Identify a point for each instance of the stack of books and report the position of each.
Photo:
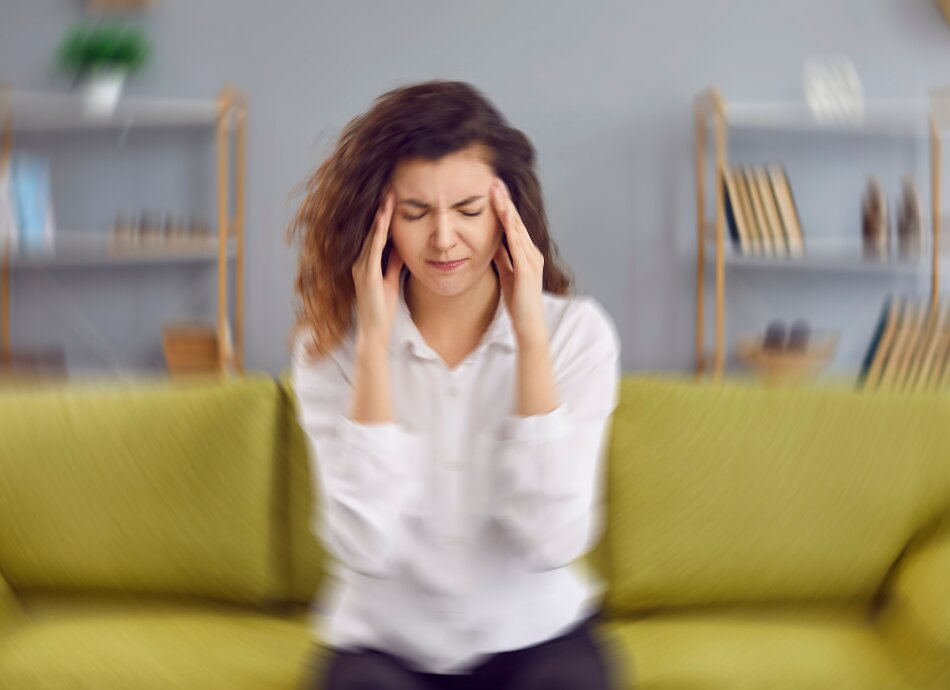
(761, 212)
(910, 348)
(26, 209)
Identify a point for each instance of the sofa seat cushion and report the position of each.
(764, 647)
(111, 643)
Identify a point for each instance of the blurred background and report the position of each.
(606, 91)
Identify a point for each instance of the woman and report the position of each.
(456, 399)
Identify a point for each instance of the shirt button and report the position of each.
(453, 390)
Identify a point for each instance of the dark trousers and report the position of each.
(572, 661)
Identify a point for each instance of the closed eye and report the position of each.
(470, 214)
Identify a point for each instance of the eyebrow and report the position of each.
(423, 205)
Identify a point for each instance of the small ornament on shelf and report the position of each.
(122, 233)
(150, 230)
(200, 230)
(909, 226)
(833, 90)
(874, 221)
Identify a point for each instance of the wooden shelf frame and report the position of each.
(227, 114)
(711, 114)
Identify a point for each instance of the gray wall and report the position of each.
(604, 90)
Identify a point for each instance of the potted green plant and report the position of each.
(101, 57)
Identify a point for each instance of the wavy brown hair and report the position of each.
(422, 121)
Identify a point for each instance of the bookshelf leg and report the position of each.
(224, 114)
(6, 350)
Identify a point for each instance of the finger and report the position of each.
(383, 219)
(517, 232)
(394, 267)
(519, 227)
(503, 211)
(367, 247)
(375, 239)
(510, 223)
(502, 259)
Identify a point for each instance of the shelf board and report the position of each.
(39, 111)
(79, 250)
(893, 118)
(832, 257)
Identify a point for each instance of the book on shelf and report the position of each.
(760, 211)
(8, 223)
(908, 328)
(917, 346)
(788, 211)
(910, 348)
(33, 207)
(881, 342)
(763, 239)
(925, 367)
(735, 215)
(770, 208)
(742, 189)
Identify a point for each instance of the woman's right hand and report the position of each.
(376, 294)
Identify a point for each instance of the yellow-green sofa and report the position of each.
(156, 535)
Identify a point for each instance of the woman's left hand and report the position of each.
(521, 283)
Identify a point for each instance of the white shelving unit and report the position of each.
(899, 118)
(828, 254)
(38, 112)
(94, 251)
(907, 118)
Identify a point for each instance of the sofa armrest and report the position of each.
(916, 618)
(9, 605)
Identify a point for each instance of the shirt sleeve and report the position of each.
(548, 468)
(364, 473)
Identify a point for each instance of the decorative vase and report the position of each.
(874, 221)
(101, 89)
(909, 226)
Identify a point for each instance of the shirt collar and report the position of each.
(405, 334)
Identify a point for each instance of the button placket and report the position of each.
(454, 380)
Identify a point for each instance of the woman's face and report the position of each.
(444, 225)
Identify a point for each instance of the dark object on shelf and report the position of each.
(31, 365)
(775, 336)
(799, 335)
(909, 226)
(874, 221)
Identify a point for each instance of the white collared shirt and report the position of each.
(453, 528)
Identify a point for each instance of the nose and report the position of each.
(443, 234)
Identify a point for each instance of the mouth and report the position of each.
(446, 265)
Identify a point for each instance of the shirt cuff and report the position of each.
(533, 428)
(380, 454)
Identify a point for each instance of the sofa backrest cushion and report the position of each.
(161, 487)
(739, 492)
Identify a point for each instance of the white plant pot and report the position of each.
(101, 90)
